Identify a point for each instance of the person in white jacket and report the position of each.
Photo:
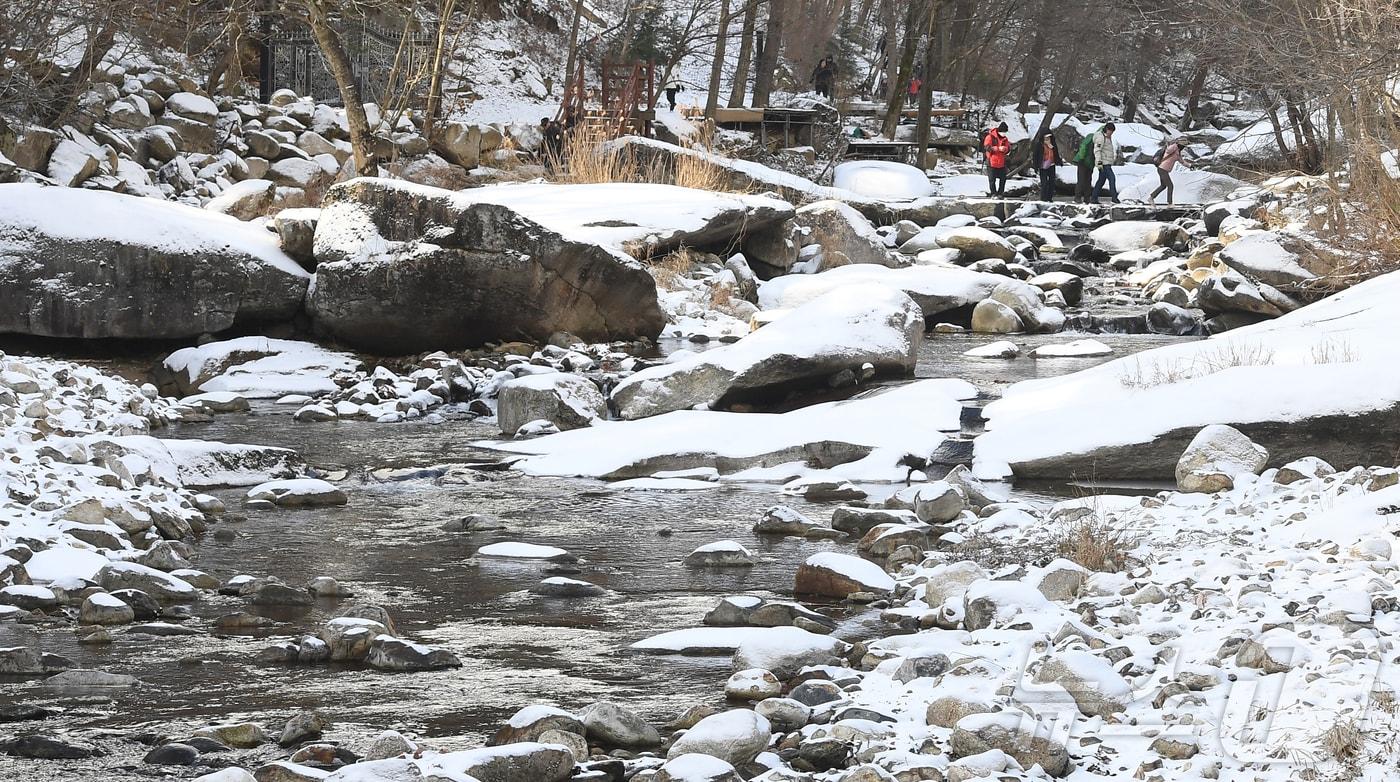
(1105, 155)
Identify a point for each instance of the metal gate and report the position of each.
(382, 59)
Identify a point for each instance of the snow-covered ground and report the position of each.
(1335, 357)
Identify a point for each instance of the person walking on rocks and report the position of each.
(824, 76)
(997, 147)
(1045, 155)
(1084, 165)
(1105, 155)
(1166, 160)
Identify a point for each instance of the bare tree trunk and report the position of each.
(1130, 102)
(895, 107)
(1278, 129)
(65, 97)
(1193, 96)
(772, 49)
(924, 130)
(717, 67)
(338, 61)
(573, 44)
(741, 69)
(1030, 83)
(228, 69)
(434, 107)
(1063, 84)
(891, 64)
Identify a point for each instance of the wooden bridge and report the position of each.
(624, 102)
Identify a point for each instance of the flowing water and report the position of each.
(387, 545)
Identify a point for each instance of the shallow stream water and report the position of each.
(388, 547)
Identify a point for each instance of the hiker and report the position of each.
(1105, 155)
(996, 146)
(824, 76)
(1084, 165)
(915, 84)
(553, 146)
(1166, 160)
(672, 87)
(1045, 155)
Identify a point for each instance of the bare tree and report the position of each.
(717, 65)
(739, 86)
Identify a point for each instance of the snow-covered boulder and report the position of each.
(531, 722)
(1269, 257)
(564, 399)
(882, 179)
(829, 574)
(1314, 382)
(245, 200)
(936, 289)
(622, 215)
(721, 553)
(519, 762)
(752, 684)
(1025, 301)
(993, 317)
(839, 228)
(1125, 235)
(1015, 733)
(298, 493)
(977, 243)
(487, 272)
(611, 725)
(1216, 456)
(786, 650)
(1232, 292)
(695, 767)
(839, 332)
(513, 550)
(1097, 689)
(90, 264)
(735, 736)
(255, 367)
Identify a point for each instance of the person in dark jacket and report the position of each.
(1045, 155)
(553, 149)
(824, 76)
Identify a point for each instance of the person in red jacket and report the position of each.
(997, 147)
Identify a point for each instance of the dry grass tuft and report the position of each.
(589, 158)
(1345, 741)
(1329, 351)
(1095, 545)
(670, 269)
(1226, 356)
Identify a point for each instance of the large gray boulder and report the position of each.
(522, 762)
(840, 331)
(89, 264)
(610, 725)
(1232, 292)
(403, 268)
(839, 228)
(1269, 257)
(1019, 735)
(566, 400)
(735, 736)
(1216, 456)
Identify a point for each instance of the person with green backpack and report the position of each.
(1084, 163)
